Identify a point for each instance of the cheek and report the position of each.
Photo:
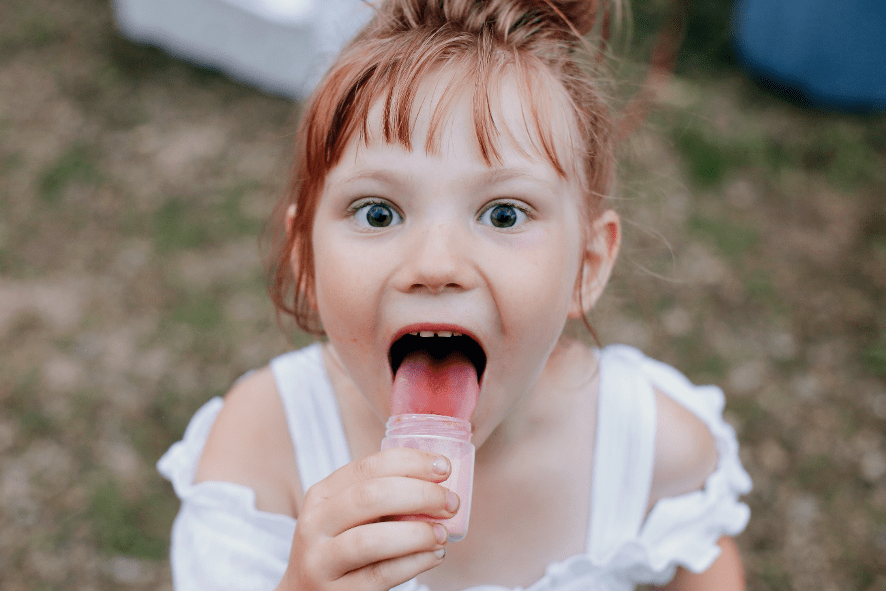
(548, 279)
(339, 285)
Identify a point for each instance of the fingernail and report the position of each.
(452, 501)
(441, 465)
(440, 532)
(440, 553)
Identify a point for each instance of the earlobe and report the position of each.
(598, 258)
(288, 220)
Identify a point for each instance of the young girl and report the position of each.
(449, 196)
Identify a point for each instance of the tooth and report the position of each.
(426, 333)
(445, 333)
(457, 334)
(415, 334)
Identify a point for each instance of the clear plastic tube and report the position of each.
(447, 436)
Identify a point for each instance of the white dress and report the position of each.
(280, 46)
(220, 541)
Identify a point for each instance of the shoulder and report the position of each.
(250, 426)
(685, 450)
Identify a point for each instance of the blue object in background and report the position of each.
(829, 53)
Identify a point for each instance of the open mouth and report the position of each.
(439, 345)
(436, 372)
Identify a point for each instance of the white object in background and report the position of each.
(281, 46)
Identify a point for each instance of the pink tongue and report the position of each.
(424, 385)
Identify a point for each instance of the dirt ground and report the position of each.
(132, 190)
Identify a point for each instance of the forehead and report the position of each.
(522, 111)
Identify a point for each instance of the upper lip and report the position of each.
(433, 327)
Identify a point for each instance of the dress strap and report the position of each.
(312, 414)
(624, 452)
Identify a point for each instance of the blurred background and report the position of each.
(133, 187)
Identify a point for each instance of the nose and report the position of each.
(436, 260)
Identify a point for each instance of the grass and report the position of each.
(124, 526)
(78, 164)
(34, 31)
(873, 357)
(816, 474)
(21, 402)
(732, 239)
(202, 221)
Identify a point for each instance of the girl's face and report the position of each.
(407, 240)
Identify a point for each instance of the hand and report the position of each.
(345, 539)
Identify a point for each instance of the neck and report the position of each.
(565, 388)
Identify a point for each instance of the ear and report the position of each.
(598, 257)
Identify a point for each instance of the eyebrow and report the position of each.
(489, 177)
(384, 176)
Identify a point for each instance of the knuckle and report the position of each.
(305, 525)
(367, 467)
(363, 542)
(379, 574)
(313, 496)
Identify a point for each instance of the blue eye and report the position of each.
(376, 214)
(503, 215)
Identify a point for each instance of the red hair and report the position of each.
(406, 42)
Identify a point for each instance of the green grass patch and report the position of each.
(31, 32)
(200, 311)
(771, 574)
(136, 61)
(873, 357)
(127, 526)
(8, 261)
(730, 238)
(713, 367)
(39, 31)
(760, 286)
(709, 158)
(701, 364)
(821, 475)
(21, 404)
(10, 161)
(179, 225)
(183, 223)
(231, 213)
(79, 163)
(705, 160)
(167, 416)
(838, 148)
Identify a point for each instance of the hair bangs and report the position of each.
(451, 66)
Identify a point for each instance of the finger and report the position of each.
(412, 463)
(389, 573)
(371, 500)
(378, 542)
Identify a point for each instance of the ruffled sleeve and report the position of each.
(220, 541)
(684, 530)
